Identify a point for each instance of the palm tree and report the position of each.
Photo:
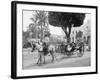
(32, 30)
(39, 19)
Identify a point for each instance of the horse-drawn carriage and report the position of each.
(67, 49)
(73, 48)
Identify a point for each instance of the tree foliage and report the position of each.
(40, 19)
(25, 37)
(79, 34)
(66, 20)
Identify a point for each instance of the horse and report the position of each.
(43, 50)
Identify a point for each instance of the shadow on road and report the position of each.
(35, 65)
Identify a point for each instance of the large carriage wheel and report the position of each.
(81, 52)
(68, 54)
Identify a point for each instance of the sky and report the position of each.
(53, 30)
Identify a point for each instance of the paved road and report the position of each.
(29, 61)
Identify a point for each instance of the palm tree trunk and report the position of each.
(41, 33)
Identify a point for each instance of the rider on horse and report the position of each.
(45, 44)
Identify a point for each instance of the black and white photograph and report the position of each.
(54, 39)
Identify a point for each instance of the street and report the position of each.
(29, 61)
